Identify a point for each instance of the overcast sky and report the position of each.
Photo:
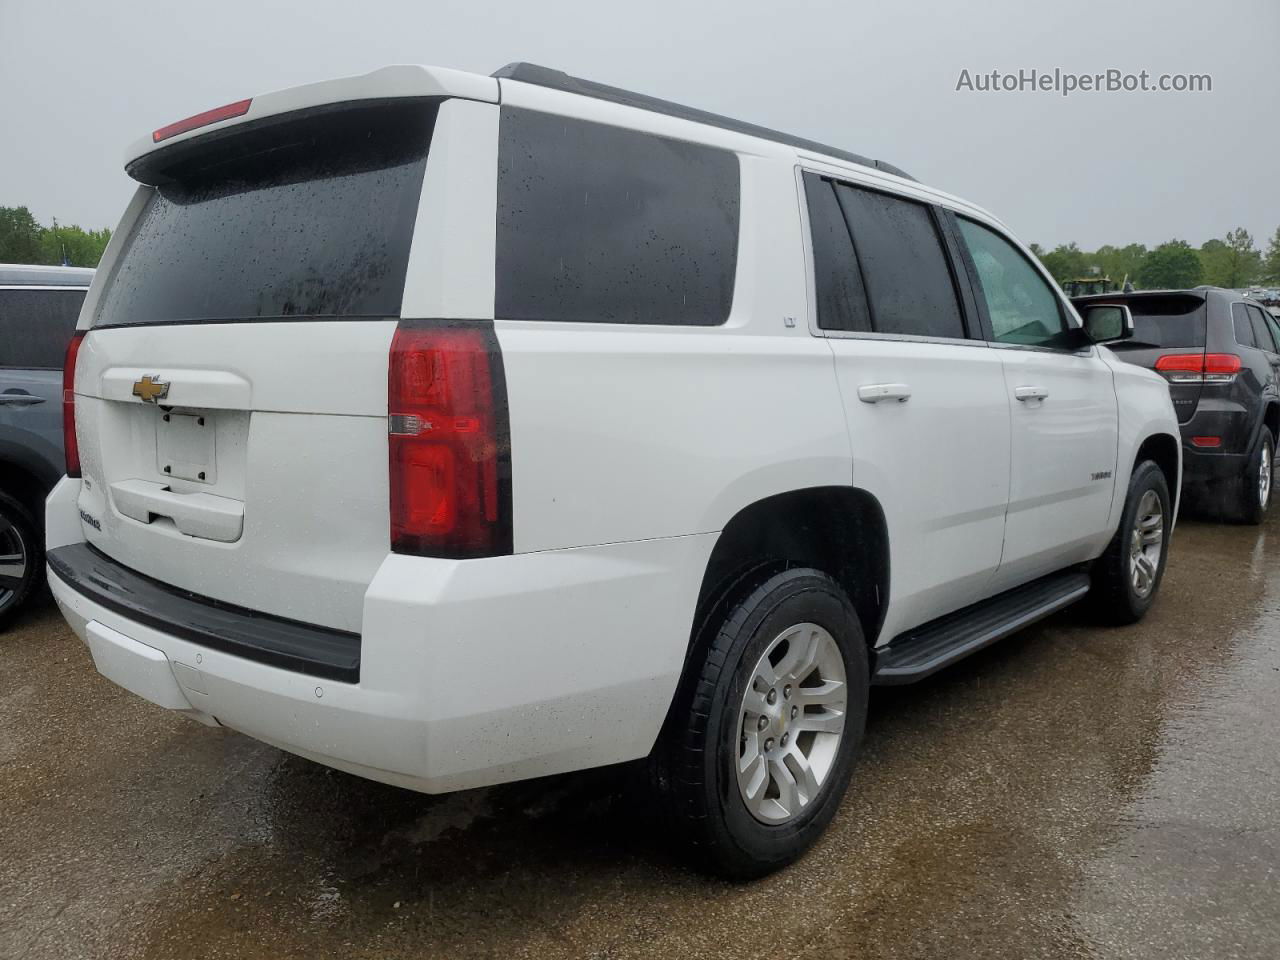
(80, 81)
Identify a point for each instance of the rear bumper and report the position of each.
(471, 672)
(1201, 467)
(1233, 424)
(302, 648)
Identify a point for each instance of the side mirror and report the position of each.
(1107, 322)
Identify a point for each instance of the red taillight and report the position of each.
(69, 443)
(1206, 441)
(1221, 363)
(448, 441)
(226, 112)
(1199, 367)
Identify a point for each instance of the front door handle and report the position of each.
(876, 392)
(19, 398)
(1030, 393)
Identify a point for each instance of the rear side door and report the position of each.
(924, 401)
(1262, 334)
(1247, 390)
(36, 323)
(1274, 327)
(1064, 416)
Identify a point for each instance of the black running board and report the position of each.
(925, 649)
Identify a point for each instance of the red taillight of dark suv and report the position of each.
(69, 444)
(449, 441)
(1199, 367)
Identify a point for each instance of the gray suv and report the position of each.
(38, 311)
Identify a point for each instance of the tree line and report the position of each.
(24, 240)
(1233, 262)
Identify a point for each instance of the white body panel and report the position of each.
(632, 448)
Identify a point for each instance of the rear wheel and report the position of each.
(21, 556)
(1127, 576)
(1254, 485)
(759, 749)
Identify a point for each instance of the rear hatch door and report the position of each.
(232, 388)
(1164, 323)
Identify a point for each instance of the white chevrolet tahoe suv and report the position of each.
(451, 430)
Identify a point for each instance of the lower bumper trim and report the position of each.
(303, 648)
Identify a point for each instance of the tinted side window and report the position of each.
(904, 267)
(36, 325)
(605, 224)
(842, 303)
(1261, 333)
(1243, 327)
(1022, 306)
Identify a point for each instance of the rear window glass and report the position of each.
(904, 267)
(306, 216)
(1166, 321)
(36, 325)
(606, 224)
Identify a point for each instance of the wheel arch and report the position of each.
(1165, 451)
(26, 485)
(1271, 418)
(812, 527)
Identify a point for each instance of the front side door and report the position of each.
(1063, 430)
(924, 401)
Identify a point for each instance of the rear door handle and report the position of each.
(19, 399)
(1030, 393)
(876, 392)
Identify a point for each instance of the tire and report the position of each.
(1253, 487)
(1119, 595)
(19, 538)
(793, 616)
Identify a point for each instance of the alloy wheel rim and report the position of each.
(1264, 476)
(1146, 541)
(13, 561)
(790, 723)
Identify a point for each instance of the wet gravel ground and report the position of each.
(1071, 792)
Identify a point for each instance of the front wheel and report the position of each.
(759, 748)
(1127, 576)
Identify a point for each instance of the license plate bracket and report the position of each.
(185, 447)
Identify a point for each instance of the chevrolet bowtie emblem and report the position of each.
(150, 390)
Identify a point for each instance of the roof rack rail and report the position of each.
(559, 80)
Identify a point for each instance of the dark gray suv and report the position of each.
(1220, 352)
(38, 311)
